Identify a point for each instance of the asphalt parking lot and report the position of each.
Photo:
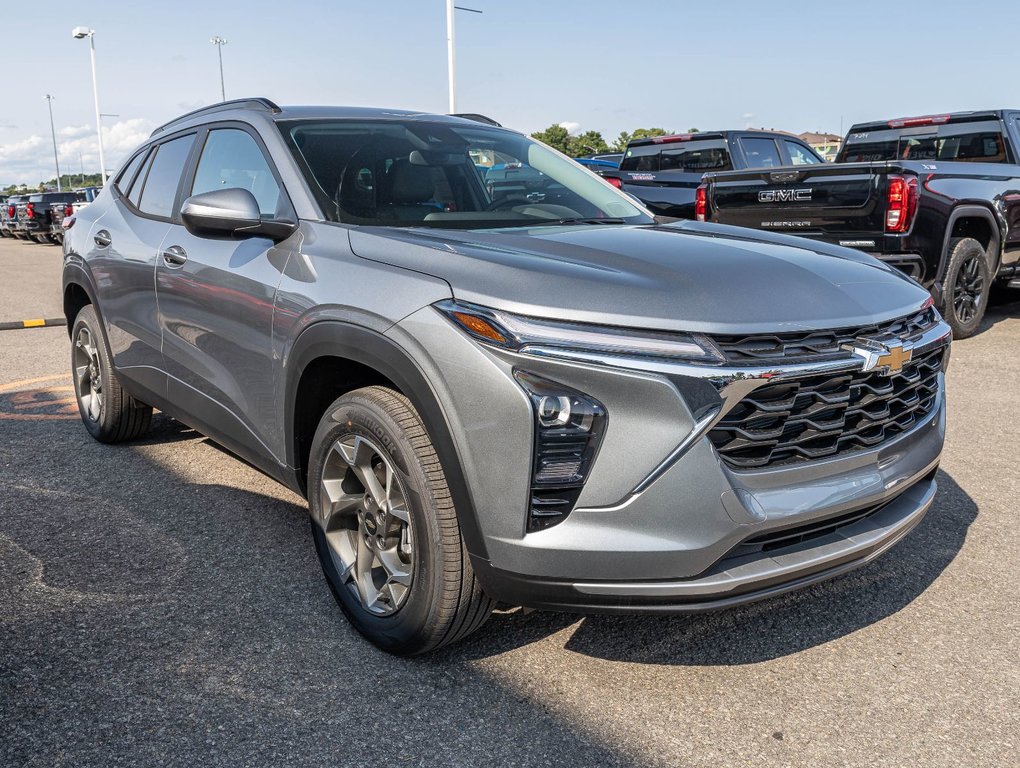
(161, 604)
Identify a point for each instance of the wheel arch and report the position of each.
(368, 357)
(974, 221)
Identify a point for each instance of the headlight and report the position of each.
(569, 426)
(529, 334)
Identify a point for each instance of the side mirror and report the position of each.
(233, 212)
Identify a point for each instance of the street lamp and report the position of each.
(219, 42)
(451, 64)
(78, 33)
(53, 131)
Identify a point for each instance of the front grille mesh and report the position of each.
(799, 346)
(824, 415)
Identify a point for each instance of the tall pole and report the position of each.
(450, 60)
(53, 132)
(95, 94)
(219, 42)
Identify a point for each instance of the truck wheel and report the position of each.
(109, 413)
(966, 288)
(385, 528)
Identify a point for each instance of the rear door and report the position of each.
(123, 246)
(216, 299)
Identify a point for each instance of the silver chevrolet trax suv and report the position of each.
(496, 378)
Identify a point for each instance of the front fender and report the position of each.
(370, 348)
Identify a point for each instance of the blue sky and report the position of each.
(602, 65)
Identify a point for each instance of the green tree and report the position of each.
(637, 133)
(587, 143)
(555, 136)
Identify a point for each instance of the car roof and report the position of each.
(238, 108)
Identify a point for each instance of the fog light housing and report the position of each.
(569, 426)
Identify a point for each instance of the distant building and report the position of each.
(825, 144)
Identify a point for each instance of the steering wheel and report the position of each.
(507, 202)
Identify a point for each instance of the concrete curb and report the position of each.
(12, 325)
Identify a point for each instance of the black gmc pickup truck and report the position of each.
(937, 196)
(663, 172)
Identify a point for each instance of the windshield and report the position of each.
(413, 174)
(959, 142)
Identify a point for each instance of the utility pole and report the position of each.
(219, 42)
(451, 62)
(53, 132)
(79, 33)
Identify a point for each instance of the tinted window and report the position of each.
(126, 176)
(232, 160)
(980, 142)
(641, 158)
(695, 157)
(165, 176)
(760, 153)
(800, 155)
(139, 182)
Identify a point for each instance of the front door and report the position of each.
(216, 299)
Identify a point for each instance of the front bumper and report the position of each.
(663, 522)
(732, 581)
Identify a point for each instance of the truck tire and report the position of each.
(385, 528)
(966, 287)
(109, 413)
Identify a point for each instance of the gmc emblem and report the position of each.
(784, 195)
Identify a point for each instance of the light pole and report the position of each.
(219, 42)
(450, 54)
(53, 132)
(78, 33)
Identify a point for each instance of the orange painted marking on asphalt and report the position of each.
(26, 400)
(14, 386)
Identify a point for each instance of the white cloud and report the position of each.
(572, 128)
(30, 160)
(74, 131)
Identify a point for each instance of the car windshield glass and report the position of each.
(691, 156)
(442, 174)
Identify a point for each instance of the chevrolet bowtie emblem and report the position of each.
(884, 356)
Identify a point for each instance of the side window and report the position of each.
(165, 176)
(760, 153)
(128, 174)
(135, 193)
(799, 155)
(232, 160)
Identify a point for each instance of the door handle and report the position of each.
(102, 239)
(175, 256)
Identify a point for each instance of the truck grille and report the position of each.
(825, 415)
(782, 348)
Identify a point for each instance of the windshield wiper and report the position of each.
(585, 221)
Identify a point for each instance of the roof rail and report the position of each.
(254, 103)
(476, 117)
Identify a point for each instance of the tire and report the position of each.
(115, 416)
(360, 433)
(967, 286)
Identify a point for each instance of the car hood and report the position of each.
(684, 276)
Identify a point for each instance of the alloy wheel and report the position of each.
(367, 523)
(968, 289)
(89, 374)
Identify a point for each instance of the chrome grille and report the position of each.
(780, 348)
(820, 416)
